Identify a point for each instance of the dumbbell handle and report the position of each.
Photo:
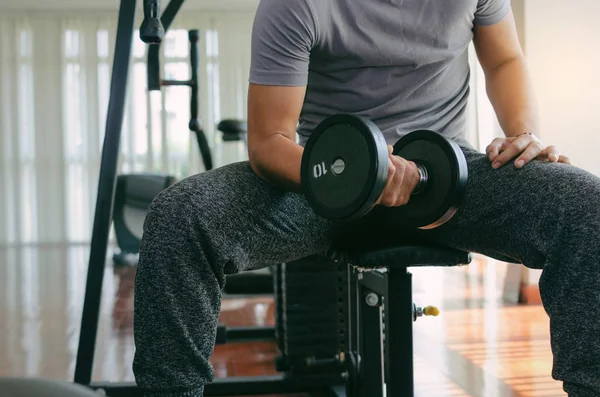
(338, 167)
(423, 178)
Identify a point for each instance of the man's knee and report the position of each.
(173, 209)
(203, 199)
(575, 194)
(178, 240)
(172, 232)
(569, 214)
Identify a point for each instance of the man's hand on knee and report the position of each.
(524, 148)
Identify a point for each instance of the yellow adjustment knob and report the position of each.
(431, 311)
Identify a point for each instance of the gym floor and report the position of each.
(479, 346)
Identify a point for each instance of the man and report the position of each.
(403, 64)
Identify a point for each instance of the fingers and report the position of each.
(390, 177)
(550, 154)
(513, 148)
(399, 185)
(494, 148)
(407, 183)
(564, 159)
(506, 143)
(525, 148)
(532, 151)
(390, 193)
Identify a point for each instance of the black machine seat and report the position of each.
(133, 195)
(393, 253)
(233, 129)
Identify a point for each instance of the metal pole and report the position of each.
(195, 125)
(399, 367)
(105, 195)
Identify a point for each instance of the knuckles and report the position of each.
(403, 177)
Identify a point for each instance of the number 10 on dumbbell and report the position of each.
(345, 166)
(337, 167)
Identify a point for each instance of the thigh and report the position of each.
(243, 222)
(515, 214)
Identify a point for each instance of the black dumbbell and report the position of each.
(345, 164)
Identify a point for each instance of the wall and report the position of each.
(563, 52)
(518, 7)
(563, 49)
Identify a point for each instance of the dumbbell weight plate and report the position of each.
(344, 167)
(447, 180)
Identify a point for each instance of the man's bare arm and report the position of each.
(511, 93)
(507, 79)
(273, 113)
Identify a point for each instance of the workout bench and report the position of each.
(378, 281)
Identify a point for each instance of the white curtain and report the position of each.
(55, 73)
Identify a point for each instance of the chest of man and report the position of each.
(397, 33)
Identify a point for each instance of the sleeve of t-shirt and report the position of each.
(283, 34)
(490, 12)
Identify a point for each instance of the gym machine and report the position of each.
(152, 31)
(155, 83)
(135, 192)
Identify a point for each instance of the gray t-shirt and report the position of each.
(401, 63)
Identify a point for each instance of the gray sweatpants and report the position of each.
(227, 220)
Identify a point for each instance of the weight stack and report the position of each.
(312, 313)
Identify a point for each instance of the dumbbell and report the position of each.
(345, 165)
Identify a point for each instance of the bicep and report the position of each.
(497, 44)
(273, 110)
(283, 35)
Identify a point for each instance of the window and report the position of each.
(155, 135)
(78, 203)
(103, 51)
(134, 136)
(212, 66)
(26, 139)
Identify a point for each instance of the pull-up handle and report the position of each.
(152, 30)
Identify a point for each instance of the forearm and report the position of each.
(277, 161)
(511, 94)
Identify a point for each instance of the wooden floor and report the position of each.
(477, 347)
